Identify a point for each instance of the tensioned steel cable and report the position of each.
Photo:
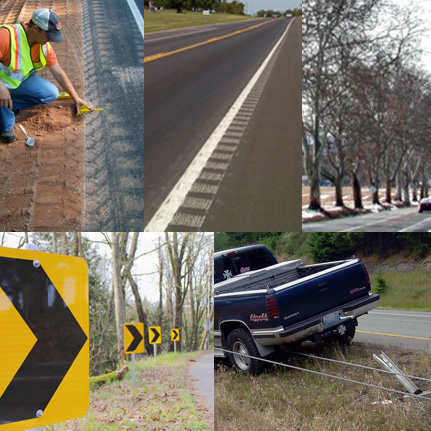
(360, 366)
(326, 375)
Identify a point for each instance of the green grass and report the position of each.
(291, 400)
(160, 400)
(170, 20)
(405, 291)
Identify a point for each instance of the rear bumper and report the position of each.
(314, 325)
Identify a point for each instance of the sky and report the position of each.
(426, 40)
(423, 10)
(253, 6)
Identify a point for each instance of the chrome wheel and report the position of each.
(242, 361)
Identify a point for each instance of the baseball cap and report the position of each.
(49, 21)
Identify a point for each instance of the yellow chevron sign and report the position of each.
(44, 329)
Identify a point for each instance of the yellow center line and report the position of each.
(206, 42)
(393, 335)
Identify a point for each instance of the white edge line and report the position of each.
(389, 313)
(175, 199)
(413, 226)
(137, 15)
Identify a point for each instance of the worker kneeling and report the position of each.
(24, 50)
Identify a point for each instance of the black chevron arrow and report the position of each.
(59, 339)
(156, 335)
(176, 334)
(136, 340)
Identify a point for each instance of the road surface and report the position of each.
(202, 173)
(408, 330)
(397, 220)
(202, 372)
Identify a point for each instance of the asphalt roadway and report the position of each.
(408, 330)
(397, 220)
(202, 372)
(253, 182)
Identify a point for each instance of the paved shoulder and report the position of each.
(202, 373)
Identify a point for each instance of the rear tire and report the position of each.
(342, 339)
(241, 343)
(346, 338)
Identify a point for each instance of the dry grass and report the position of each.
(293, 400)
(170, 20)
(160, 400)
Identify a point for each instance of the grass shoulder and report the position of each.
(408, 291)
(290, 399)
(171, 20)
(160, 400)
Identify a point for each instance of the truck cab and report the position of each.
(229, 263)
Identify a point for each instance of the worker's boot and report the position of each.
(8, 137)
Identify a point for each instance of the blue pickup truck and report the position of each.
(285, 303)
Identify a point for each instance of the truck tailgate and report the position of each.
(324, 291)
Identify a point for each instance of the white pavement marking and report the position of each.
(384, 218)
(407, 229)
(165, 214)
(137, 15)
(403, 315)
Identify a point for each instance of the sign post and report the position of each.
(133, 369)
(44, 336)
(155, 338)
(133, 342)
(175, 336)
(208, 325)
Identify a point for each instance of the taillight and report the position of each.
(367, 276)
(272, 307)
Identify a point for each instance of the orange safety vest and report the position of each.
(21, 64)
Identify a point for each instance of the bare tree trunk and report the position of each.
(160, 312)
(142, 315)
(338, 194)
(64, 245)
(406, 186)
(357, 194)
(77, 244)
(120, 307)
(388, 191)
(54, 242)
(177, 254)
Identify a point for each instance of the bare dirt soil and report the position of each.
(42, 187)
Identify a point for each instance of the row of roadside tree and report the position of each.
(366, 98)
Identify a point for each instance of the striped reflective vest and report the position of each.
(21, 64)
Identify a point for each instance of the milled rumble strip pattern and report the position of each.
(188, 203)
(191, 215)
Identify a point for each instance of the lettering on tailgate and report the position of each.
(259, 317)
(358, 289)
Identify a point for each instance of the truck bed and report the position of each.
(271, 277)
